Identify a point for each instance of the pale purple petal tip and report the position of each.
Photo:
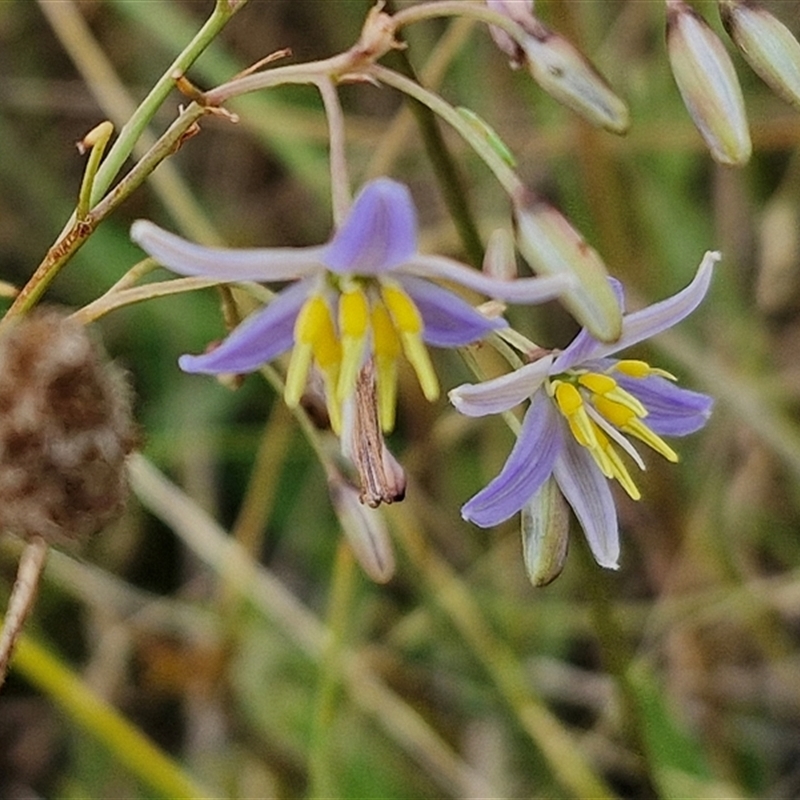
(528, 466)
(260, 264)
(379, 233)
(503, 393)
(672, 411)
(587, 491)
(449, 321)
(260, 338)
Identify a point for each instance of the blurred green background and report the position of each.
(678, 676)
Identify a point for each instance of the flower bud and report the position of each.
(500, 258)
(571, 79)
(65, 429)
(545, 534)
(365, 530)
(553, 247)
(767, 44)
(708, 85)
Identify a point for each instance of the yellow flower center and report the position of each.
(334, 329)
(594, 406)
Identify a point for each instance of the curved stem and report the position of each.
(504, 174)
(340, 182)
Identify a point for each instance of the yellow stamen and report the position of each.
(588, 434)
(616, 413)
(315, 339)
(388, 349)
(635, 427)
(640, 369)
(408, 324)
(604, 386)
(354, 319)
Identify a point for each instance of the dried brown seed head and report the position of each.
(65, 429)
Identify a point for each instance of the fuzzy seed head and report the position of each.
(65, 429)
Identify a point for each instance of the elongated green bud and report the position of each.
(552, 246)
(545, 534)
(571, 79)
(767, 44)
(708, 84)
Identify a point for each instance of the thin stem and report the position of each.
(504, 174)
(340, 181)
(458, 8)
(80, 230)
(132, 130)
(23, 595)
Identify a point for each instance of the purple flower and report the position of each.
(366, 293)
(584, 406)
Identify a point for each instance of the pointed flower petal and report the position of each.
(448, 320)
(503, 393)
(522, 290)
(380, 231)
(671, 410)
(527, 468)
(264, 264)
(260, 338)
(587, 491)
(659, 317)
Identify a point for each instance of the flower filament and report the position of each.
(343, 323)
(598, 410)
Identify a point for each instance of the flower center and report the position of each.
(343, 323)
(598, 411)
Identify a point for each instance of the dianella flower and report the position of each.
(585, 408)
(366, 294)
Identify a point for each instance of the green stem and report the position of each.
(80, 230)
(504, 174)
(132, 130)
(128, 744)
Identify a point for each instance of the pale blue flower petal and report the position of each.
(380, 231)
(449, 320)
(263, 264)
(587, 491)
(500, 394)
(520, 291)
(528, 466)
(654, 319)
(260, 338)
(672, 411)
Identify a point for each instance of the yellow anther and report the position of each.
(388, 349)
(641, 369)
(384, 336)
(315, 339)
(353, 312)
(597, 383)
(408, 324)
(568, 398)
(616, 413)
(354, 320)
(405, 315)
